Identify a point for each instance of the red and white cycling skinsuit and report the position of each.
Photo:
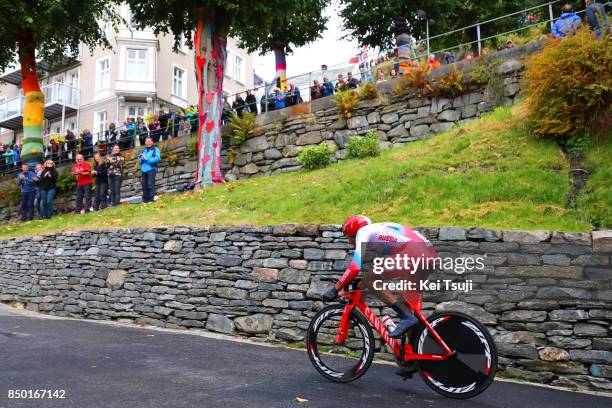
(397, 238)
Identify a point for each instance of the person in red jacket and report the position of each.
(82, 171)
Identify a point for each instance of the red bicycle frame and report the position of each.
(355, 301)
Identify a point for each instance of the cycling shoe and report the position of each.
(330, 294)
(403, 326)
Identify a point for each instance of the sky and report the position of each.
(329, 49)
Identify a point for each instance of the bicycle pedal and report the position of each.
(405, 372)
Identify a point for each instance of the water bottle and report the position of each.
(388, 322)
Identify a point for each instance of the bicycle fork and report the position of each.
(344, 327)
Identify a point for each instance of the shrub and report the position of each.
(419, 82)
(368, 90)
(452, 84)
(364, 146)
(242, 126)
(315, 157)
(66, 183)
(569, 87)
(346, 102)
(192, 147)
(10, 194)
(172, 159)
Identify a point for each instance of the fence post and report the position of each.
(427, 30)
(551, 15)
(478, 36)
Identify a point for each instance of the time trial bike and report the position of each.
(454, 354)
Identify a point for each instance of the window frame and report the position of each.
(100, 71)
(183, 82)
(136, 60)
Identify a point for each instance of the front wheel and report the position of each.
(473, 366)
(343, 362)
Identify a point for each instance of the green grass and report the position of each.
(596, 198)
(489, 173)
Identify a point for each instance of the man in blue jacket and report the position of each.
(27, 181)
(567, 24)
(148, 159)
(597, 18)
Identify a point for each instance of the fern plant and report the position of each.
(242, 127)
(368, 90)
(346, 102)
(452, 84)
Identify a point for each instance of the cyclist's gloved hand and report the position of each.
(330, 294)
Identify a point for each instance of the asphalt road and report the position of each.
(102, 365)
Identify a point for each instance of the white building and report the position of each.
(141, 74)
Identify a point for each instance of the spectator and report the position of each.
(596, 16)
(193, 119)
(251, 102)
(176, 119)
(226, 111)
(9, 158)
(71, 143)
(468, 56)
(341, 85)
(567, 24)
(86, 144)
(380, 76)
(279, 99)
(132, 129)
(148, 159)
(293, 96)
(393, 73)
(115, 174)
(238, 105)
(432, 62)
(27, 181)
(47, 184)
(17, 155)
(328, 87)
(448, 58)
(509, 44)
(100, 170)
(352, 82)
(155, 132)
(37, 202)
(82, 171)
(316, 90)
(163, 120)
(111, 134)
(143, 131)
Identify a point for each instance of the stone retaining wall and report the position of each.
(545, 297)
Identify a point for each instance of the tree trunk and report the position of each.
(210, 46)
(281, 66)
(32, 150)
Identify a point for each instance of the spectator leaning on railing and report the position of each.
(597, 18)
(567, 24)
(148, 159)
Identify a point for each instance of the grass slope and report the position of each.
(488, 173)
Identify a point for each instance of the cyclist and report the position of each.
(395, 238)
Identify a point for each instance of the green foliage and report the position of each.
(364, 146)
(298, 23)
(346, 102)
(66, 183)
(56, 26)
(452, 84)
(569, 88)
(172, 159)
(371, 21)
(192, 147)
(595, 200)
(10, 194)
(242, 126)
(368, 90)
(418, 81)
(315, 157)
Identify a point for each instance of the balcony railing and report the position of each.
(57, 94)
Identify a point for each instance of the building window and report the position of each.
(136, 64)
(239, 69)
(100, 123)
(103, 74)
(136, 111)
(178, 82)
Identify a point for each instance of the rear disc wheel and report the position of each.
(473, 366)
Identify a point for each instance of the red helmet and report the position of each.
(354, 224)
